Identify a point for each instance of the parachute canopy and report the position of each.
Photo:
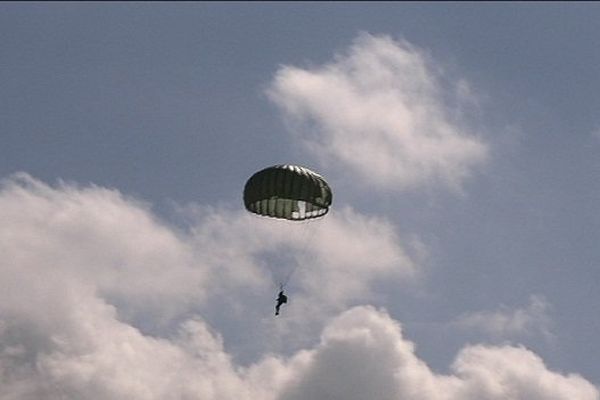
(288, 192)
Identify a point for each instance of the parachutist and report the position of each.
(281, 299)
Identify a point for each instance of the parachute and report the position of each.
(290, 193)
(287, 192)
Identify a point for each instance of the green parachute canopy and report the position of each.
(288, 192)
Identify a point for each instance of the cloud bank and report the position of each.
(82, 266)
(87, 273)
(363, 354)
(380, 111)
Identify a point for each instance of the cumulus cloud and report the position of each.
(505, 323)
(70, 255)
(99, 237)
(327, 264)
(380, 110)
(101, 299)
(363, 355)
(53, 239)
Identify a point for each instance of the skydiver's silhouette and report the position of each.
(281, 299)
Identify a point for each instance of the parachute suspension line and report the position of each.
(286, 280)
(291, 193)
(308, 233)
(305, 239)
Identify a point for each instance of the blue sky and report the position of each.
(461, 141)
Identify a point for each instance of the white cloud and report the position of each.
(333, 262)
(379, 110)
(505, 323)
(363, 355)
(56, 239)
(98, 237)
(83, 269)
(71, 254)
(334, 258)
